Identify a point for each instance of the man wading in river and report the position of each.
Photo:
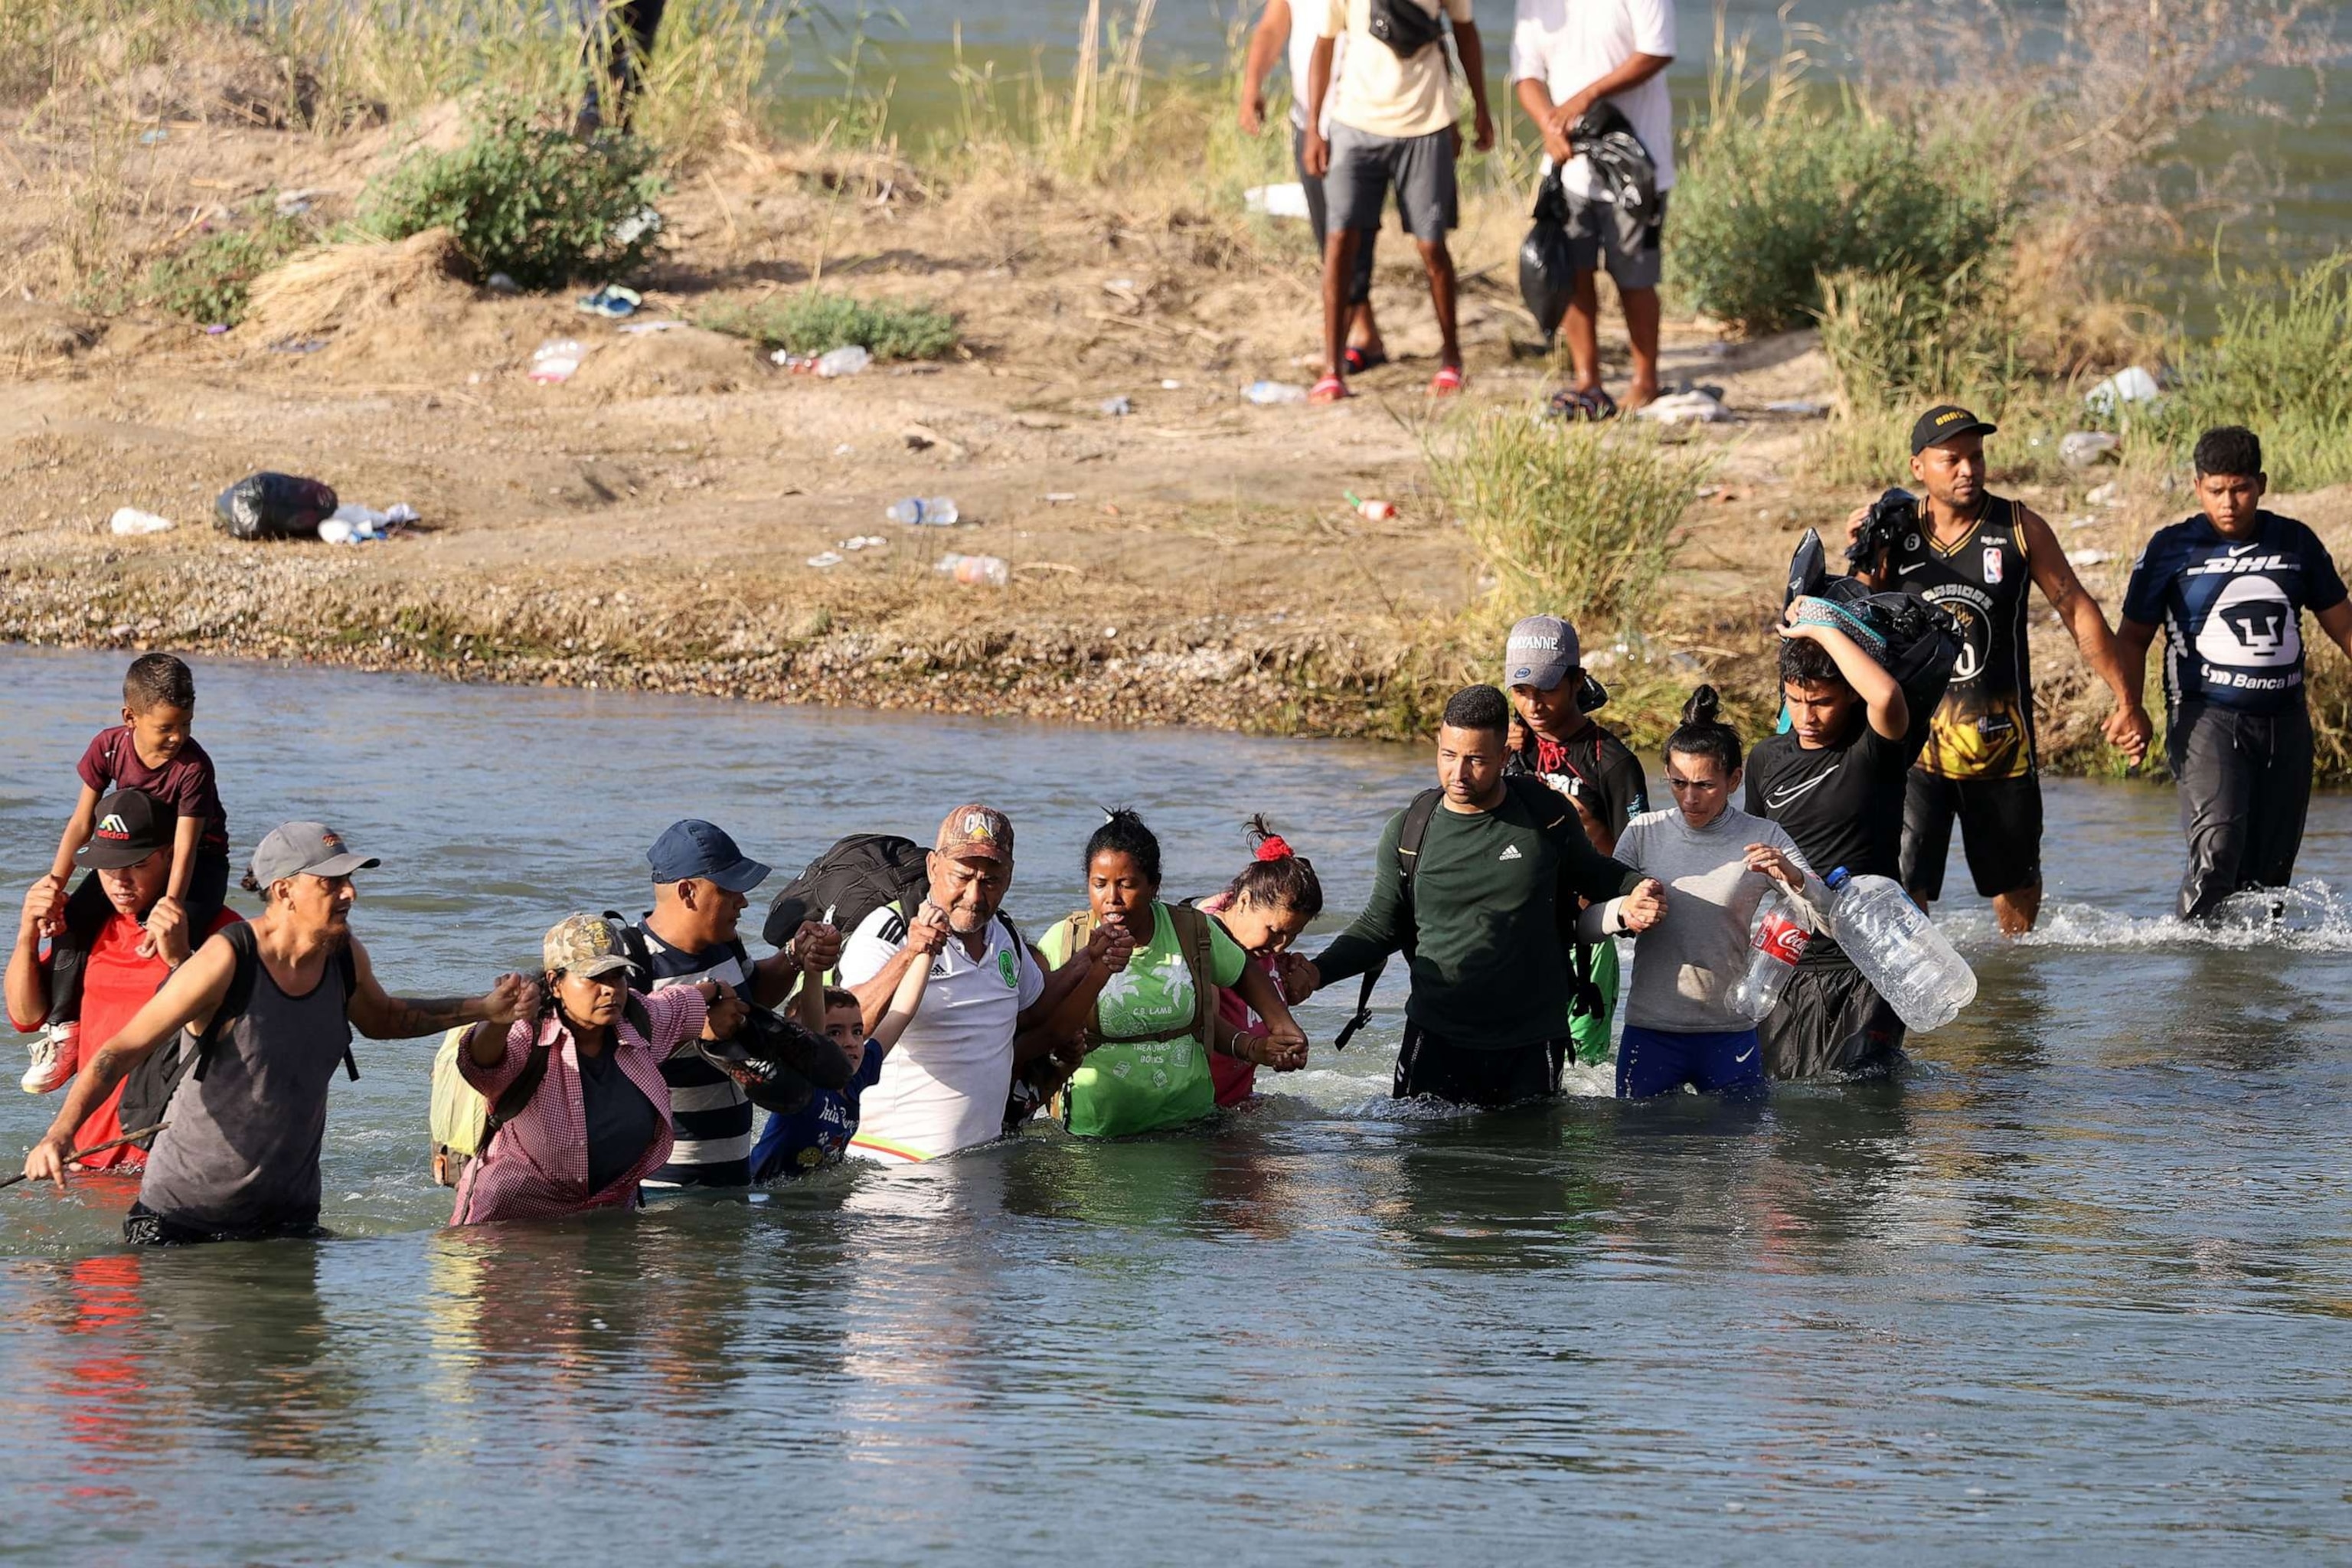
(240, 1158)
(1973, 553)
(1469, 885)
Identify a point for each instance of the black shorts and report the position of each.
(142, 1227)
(1429, 1065)
(2001, 827)
(1831, 1024)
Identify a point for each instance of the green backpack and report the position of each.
(1162, 1079)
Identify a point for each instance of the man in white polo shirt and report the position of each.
(1393, 127)
(1566, 56)
(944, 1086)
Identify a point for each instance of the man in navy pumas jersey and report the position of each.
(2229, 587)
(701, 883)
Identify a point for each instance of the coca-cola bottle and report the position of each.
(1779, 941)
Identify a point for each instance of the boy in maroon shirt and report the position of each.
(151, 750)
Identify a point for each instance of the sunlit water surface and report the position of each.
(2077, 1281)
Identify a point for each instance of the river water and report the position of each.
(2295, 208)
(2078, 1281)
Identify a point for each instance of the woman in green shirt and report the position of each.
(1149, 1021)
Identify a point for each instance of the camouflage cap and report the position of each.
(976, 833)
(586, 945)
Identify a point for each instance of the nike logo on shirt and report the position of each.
(2241, 549)
(1743, 1056)
(1777, 798)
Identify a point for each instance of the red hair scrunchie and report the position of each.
(1273, 848)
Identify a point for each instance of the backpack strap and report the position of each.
(1080, 924)
(349, 968)
(517, 1096)
(242, 946)
(1411, 830)
(1194, 932)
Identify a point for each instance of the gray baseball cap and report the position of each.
(1541, 652)
(305, 848)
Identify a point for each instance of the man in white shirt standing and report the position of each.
(1393, 126)
(1277, 32)
(1566, 56)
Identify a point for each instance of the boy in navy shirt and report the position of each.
(2230, 587)
(816, 1135)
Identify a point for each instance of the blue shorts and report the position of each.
(1655, 1061)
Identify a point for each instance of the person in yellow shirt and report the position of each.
(1393, 126)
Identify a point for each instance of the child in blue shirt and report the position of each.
(814, 1136)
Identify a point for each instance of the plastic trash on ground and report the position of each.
(1277, 201)
(2086, 556)
(130, 520)
(2108, 494)
(923, 511)
(848, 359)
(1802, 407)
(1268, 392)
(2132, 386)
(556, 361)
(1373, 510)
(975, 571)
(644, 221)
(1117, 407)
(275, 506)
(637, 329)
(2081, 449)
(501, 283)
(824, 561)
(355, 524)
(1694, 407)
(611, 302)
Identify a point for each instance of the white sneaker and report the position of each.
(57, 1057)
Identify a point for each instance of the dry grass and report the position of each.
(334, 287)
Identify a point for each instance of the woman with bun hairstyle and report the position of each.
(1265, 909)
(1717, 863)
(1150, 1019)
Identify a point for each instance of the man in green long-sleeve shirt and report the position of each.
(1487, 1023)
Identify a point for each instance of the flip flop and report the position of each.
(1594, 405)
(1330, 389)
(1359, 361)
(1446, 382)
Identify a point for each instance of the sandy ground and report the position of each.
(649, 523)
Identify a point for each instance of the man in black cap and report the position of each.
(130, 848)
(702, 882)
(1971, 552)
(273, 1005)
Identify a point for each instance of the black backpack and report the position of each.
(147, 1092)
(1404, 26)
(1584, 994)
(848, 882)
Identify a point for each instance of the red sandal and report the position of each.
(1330, 389)
(1446, 382)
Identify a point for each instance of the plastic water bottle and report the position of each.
(848, 360)
(1267, 391)
(1898, 950)
(1778, 942)
(975, 571)
(915, 511)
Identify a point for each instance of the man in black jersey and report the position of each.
(2228, 588)
(1835, 782)
(1556, 739)
(1972, 554)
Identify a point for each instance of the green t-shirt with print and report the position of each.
(1127, 1084)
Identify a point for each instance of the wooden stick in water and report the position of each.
(96, 1149)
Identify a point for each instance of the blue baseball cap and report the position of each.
(695, 849)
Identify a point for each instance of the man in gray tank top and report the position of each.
(239, 1157)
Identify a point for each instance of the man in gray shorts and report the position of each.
(1567, 57)
(1394, 128)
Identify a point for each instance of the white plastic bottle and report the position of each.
(1778, 942)
(1268, 392)
(1898, 950)
(919, 511)
(848, 360)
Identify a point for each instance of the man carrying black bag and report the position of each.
(1568, 59)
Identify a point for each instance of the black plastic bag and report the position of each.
(275, 506)
(1546, 271)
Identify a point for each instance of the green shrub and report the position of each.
(206, 280)
(2279, 362)
(526, 198)
(815, 319)
(1773, 200)
(1576, 520)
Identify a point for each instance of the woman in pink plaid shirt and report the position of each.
(598, 1118)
